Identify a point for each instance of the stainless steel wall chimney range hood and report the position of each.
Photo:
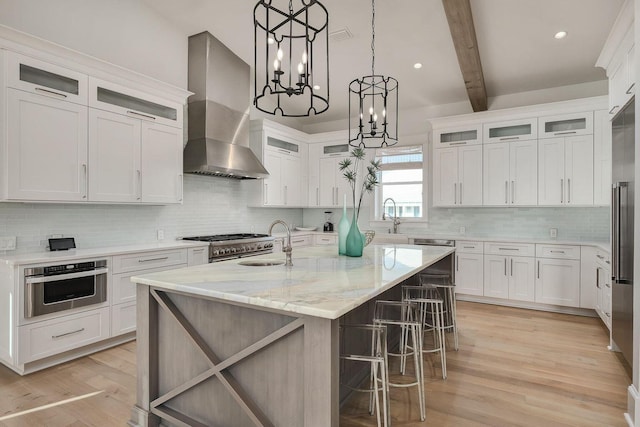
(218, 113)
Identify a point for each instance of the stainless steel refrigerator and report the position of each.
(622, 206)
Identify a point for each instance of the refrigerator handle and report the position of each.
(615, 232)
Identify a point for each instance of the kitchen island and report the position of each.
(235, 345)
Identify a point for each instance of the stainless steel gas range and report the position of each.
(230, 246)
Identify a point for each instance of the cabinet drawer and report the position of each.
(147, 260)
(299, 241)
(464, 135)
(469, 247)
(198, 256)
(130, 102)
(42, 78)
(603, 258)
(509, 249)
(43, 339)
(558, 251)
(512, 130)
(123, 318)
(124, 290)
(325, 240)
(566, 125)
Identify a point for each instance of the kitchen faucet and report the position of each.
(396, 221)
(286, 249)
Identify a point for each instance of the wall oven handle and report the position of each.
(59, 277)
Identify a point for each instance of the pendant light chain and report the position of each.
(373, 36)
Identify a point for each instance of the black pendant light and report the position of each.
(373, 104)
(291, 57)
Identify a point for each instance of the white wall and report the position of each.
(124, 32)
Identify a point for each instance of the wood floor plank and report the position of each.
(515, 367)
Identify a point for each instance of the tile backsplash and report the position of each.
(211, 206)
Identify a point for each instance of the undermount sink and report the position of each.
(261, 262)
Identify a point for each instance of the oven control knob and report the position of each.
(214, 252)
(243, 249)
(268, 245)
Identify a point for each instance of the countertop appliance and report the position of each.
(328, 225)
(230, 246)
(54, 288)
(622, 210)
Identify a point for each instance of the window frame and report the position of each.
(376, 211)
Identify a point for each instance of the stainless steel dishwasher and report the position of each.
(445, 268)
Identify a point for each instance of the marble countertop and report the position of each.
(76, 254)
(321, 283)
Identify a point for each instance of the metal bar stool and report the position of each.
(447, 291)
(432, 316)
(404, 314)
(378, 377)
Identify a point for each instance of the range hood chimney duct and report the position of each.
(218, 112)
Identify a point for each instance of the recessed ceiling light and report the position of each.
(417, 65)
(316, 87)
(560, 35)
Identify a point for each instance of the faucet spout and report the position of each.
(395, 219)
(286, 249)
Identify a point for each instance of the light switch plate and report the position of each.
(8, 243)
(553, 233)
(160, 234)
(463, 230)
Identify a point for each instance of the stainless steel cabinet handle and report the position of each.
(511, 138)
(511, 267)
(598, 277)
(139, 185)
(599, 256)
(297, 241)
(460, 193)
(180, 187)
(153, 259)
(144, 116)
(68, 333)
(86, 184)
(505, 266)
(198, 250)
(61, 277)
(50, 92)
(566, 133)
(506, 192)
(568, 190)
(455, 193)
(469, 247)
(561, 190)
(266, 194)
(613, 109)
(317, 196)
(538, 269)
(457, 263)
(557, 252)
(513, 192)
(630, 90)
(607, 284)
(285, 194)
(458, 143)
(508, 249)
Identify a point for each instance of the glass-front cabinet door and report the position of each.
(454, 136)
(566, 125)
(512, 130)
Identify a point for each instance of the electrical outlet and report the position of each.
(160, 234)
(463, 230)
(553, 233)
(8, 243)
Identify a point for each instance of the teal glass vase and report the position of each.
(343, 229)
(355, 242)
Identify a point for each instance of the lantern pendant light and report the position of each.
(291, 57)
(373, 104)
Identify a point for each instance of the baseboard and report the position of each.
(528, 305)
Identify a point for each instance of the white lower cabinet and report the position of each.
(469, 273)
(198, 256)
(123, 318)
(325, 239)
(43, 339)
(496, 278)
(509, 277)
(558, 282)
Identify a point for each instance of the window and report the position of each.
(401, 179)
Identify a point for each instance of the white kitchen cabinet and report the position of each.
(595, 291)
(457, 176)
(325, 239)
(161, 164)
(558, 282)
(621, 73)
(333, 185)
(601, 158)
(456, 136)
(115, 173)
(313, 167)
(510, 130)
(571, 124)
(509, 277)
(510, 173)
(469, 266)
(46, 148)
(565, 171)
(198, 256)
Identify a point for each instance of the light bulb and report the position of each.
(280, 54)
(370, 110)
(304, 57)
(300, 68)
(375, 117)
(276, 65)
(384, 112)
(270, 40)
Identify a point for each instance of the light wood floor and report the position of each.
(514, 368)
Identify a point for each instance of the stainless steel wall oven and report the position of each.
(54, 288)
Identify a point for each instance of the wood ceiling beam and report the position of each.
(463, 34)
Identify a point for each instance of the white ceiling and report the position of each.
(515, 37)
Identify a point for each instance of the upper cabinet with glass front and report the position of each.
(512, 130)
(566, 125)
(461, 135)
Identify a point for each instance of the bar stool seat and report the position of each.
(378, 380)
(404, 314)
(432, 317)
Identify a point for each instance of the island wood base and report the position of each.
(208, 362)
